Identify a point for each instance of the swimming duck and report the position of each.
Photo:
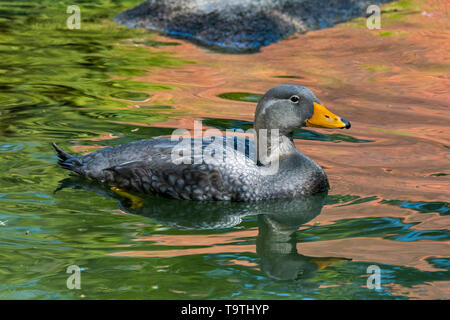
(268, 167)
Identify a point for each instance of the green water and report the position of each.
(68, 85)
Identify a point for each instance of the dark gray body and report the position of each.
(147, 166)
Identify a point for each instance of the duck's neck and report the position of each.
(273, 147)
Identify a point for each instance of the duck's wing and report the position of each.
(200, 182)
(194, 169)
(165, 150)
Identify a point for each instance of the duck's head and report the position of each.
(289, 107)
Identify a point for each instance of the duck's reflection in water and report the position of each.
(276, 243)
(278, 221)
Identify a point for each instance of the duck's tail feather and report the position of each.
(68, 161)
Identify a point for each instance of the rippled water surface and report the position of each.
(104, 85)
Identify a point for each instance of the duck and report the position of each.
(263, 164)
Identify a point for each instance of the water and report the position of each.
(104, 85)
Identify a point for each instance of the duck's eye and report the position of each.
(295, 99)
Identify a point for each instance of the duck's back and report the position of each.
(213, 168)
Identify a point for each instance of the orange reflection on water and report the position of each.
(394, 89)
(430, 291)
(413, 254)
(392, 84)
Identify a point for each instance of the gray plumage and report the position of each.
(241, 174)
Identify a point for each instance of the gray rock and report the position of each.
(240, 25)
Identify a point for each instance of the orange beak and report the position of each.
(322, 118)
